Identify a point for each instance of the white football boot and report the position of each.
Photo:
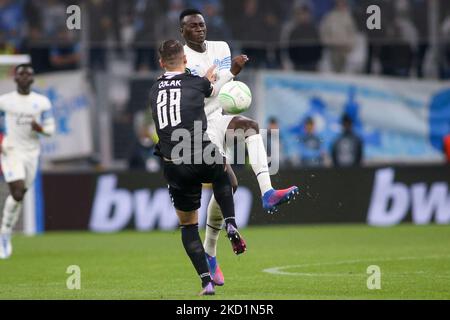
(5, 246)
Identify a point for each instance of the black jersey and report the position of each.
(178, 102)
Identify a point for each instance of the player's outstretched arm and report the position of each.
(47, 127)
(211, 74)
(237, 65)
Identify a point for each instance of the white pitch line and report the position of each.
(279, 270)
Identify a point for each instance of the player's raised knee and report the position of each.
(253, 127)
(18, 195)
(249, 126)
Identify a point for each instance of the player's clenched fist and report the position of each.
(238, 63)
(36, 126)
(211, 74)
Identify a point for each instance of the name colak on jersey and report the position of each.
(168, 83)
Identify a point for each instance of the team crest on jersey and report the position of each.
(223, 64)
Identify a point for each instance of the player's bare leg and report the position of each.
(257, 154)
(214, 224)
(11, 212)
(194, 248)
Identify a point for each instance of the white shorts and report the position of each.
(18, 165)
(217, 128)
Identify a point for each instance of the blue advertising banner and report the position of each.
(398, 120)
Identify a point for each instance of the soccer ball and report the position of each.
(235, 97)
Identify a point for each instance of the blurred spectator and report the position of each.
(65, 54)
(445, 63)
(217, 29)
(445, 36)
(420, 18)
(299, 37)
(447, 147)
(252, 37)
(37, 44)
(168, 24)
(347, 150)
(141, 156)
(100, 25)
(272, 15)
(274, 143)
(338, 34)
(401, 39)
(33, 14)
(12, 21)
(232, 12)
(146, 13)
(311, 151)
(375, 37)
(199, 4)
(319, 8)
(53, 15)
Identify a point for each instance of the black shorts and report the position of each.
(185, 182)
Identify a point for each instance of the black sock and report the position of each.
(223, 192)
(230, 220)
(194, 248)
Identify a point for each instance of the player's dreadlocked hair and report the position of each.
(171, 52)
(188, 12)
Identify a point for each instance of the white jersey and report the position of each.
(217, 53)
(19, 111)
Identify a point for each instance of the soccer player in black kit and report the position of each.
(177, 103)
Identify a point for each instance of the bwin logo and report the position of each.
(114, 208)
(391, 201)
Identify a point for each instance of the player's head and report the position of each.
(273, 123)
(193, 26)
(24, 75)
(347, 122)
(309, 125)
(171, 55)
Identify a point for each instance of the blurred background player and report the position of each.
(186, 94)
(347, 150)
(27, 115)
(201, 55)
(311, 149)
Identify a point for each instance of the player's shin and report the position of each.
(258, 160)
(223, 193)
(11, 213)
(194, 249)
(214, 224)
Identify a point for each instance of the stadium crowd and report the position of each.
(291, 34)
(306, 35)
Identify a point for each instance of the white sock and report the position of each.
(258, 160)
(214, 224)
(11, 214)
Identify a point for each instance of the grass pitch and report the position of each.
(292, 262)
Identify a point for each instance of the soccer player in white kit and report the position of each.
(27, 115)
(201, 55)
